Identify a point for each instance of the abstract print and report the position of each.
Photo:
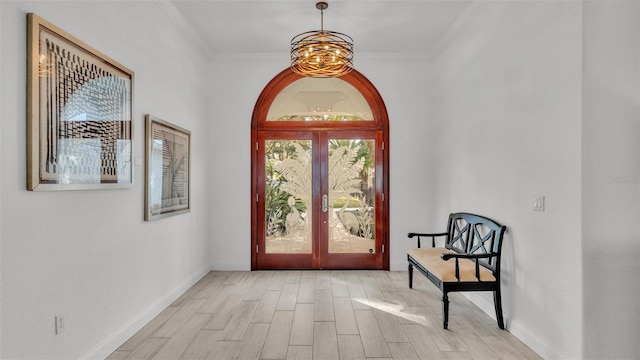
(85, 116)
(168, 148)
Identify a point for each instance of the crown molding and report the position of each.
(185, 27)
(364, 56)
(393, 55)
(472, 10)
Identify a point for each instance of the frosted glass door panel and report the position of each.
(288, 185)
(351, 184)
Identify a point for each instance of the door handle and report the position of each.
(325, 203)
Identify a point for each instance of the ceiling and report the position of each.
(267, 26)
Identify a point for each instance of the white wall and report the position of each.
(1, 91)
(403, 82)
(507, 93)
(610, 178)
(506, 104)
(88, 255)
(237, 81)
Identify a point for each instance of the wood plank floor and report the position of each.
(319, 315)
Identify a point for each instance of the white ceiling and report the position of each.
(267, 26)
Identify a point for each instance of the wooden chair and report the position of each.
(474, 242)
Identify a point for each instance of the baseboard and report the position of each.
(117, 338)
(402, 266)
(231, 266)
(485, 305)
(531, 340)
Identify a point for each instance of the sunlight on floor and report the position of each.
(394, 309)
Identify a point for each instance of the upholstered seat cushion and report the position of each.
(430, 259)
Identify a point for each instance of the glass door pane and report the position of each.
(351, 186)
(288, 195)
(312, 99)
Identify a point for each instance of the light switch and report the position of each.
(538, 203)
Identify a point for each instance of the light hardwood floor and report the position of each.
(319, 315)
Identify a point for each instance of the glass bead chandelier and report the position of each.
(321, 53)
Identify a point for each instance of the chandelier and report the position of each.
(321, 53)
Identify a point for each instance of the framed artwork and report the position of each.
(167, 169)
(79, 111)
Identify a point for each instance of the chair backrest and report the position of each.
(475, 234)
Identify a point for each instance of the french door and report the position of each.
(319, 199)
(320, 182)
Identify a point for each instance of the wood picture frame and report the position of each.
(167, 169)
(79, 113)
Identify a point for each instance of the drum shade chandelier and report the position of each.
(321, 53)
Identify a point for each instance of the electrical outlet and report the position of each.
(60, 325)
(538, 203)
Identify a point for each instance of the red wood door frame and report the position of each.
(318, 131)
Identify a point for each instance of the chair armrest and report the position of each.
(432, 235)
(446, 257)
(475, 257)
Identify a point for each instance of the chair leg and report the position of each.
(445, 310)
(497, 300)
(410, 276)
